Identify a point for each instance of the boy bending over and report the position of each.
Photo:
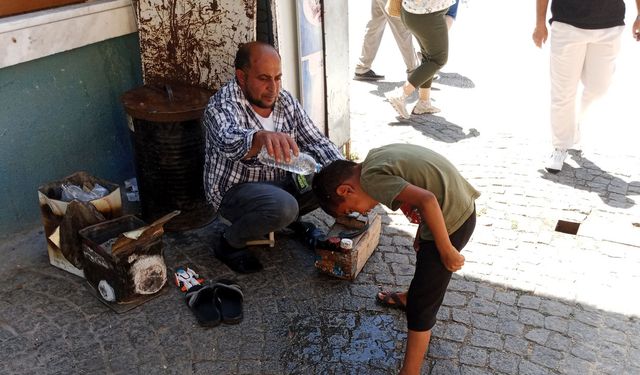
(430, 192)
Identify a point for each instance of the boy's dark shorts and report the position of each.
(431, 279)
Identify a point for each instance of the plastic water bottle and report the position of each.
(303, 164)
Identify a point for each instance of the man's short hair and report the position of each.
(243, 55)
(326, 182)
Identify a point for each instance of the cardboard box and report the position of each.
(346, 265)
(123, 260)
(67, 255)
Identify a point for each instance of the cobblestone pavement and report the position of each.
(529, 300)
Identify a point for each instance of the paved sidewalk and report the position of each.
(529, 300)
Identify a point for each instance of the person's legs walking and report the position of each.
(372, 38)
(568, 49)
(433, 38)
(431, 33)
(599, 66)
(403, 37)
(430, 30)
(449, 18)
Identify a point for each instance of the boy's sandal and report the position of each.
(229, 297)
(201, 299)
(241, 261)
(390, 299)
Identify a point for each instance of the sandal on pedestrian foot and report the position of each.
(390, 299)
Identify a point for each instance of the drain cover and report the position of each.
(568, 227)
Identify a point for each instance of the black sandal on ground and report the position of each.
(230, 297)
(201, 301)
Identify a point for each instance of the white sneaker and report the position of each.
(424, 106)
(397, 98)
(556, 160)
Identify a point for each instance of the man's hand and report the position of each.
(540, 35)
(636, 29)
(279, 145)
(452, 259)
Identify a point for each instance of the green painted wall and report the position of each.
(61, 114)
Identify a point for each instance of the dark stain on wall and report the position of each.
(192, 41)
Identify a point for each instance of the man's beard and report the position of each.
(259, 103)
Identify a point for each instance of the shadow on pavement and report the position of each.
(454, 80)
(432, 126)
(612, 190)
(446, 79)
(381, 87)
(437, 127)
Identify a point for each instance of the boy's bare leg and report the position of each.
(417, 344)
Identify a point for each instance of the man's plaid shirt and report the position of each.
(230, 123)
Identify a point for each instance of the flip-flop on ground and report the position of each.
(229, 297)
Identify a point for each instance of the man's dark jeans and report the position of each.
(256, 208)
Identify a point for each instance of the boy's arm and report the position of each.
(431, 212)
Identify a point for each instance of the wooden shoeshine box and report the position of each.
(346, 265)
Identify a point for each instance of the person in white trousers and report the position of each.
(584, 44)
(373, 37)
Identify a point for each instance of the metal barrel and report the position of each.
(168, 139)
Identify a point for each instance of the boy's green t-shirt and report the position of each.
(387, 170)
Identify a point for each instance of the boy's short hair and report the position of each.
(326, 182)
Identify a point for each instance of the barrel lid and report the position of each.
(166, 102)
